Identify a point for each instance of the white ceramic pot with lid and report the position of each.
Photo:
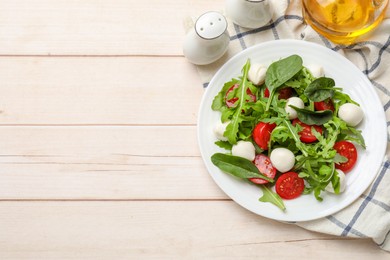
(249, 13)
(208, 40)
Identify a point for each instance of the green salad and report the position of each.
(288, 129)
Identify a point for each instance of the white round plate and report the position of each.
(353, 82)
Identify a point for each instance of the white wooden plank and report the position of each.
(103, 163)
(175, 229)
(90, 27)
(98, 91)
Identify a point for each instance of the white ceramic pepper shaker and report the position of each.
(208, 40)
(249, 13)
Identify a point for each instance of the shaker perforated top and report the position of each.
(210, 25)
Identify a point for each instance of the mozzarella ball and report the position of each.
(343, 183)
(282, 159)
(351, 114)
(294, 101)
(219, 129)
(244, 149)
(316, 70)
(256, 73)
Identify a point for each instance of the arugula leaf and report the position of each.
(353, 135)
(236, 119)
(341, 98)
(257, 148)
(300, 82)
(326, 172)
(224, 144)
(296, 137)
(339, 159)
(303, 175)
(310, 172)
(317, 192)
(333, 131)
(344, 98)
(320, 89)
(271, 197)
(219, 100)
(279, 72)
(280, 134)
(313, 117)
(237, 166)
(318, 173)
(348, 133)
(336, 182)
(226, 114)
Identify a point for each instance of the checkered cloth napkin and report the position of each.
(369, 215)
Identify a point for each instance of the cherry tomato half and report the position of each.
(289, 185)
(348, 150)
(266, 92)
(284, 93)
(262, 134)
(306, 134)
(263, 163)
(327, 104)
(231, 102)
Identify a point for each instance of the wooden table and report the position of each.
(98, 147)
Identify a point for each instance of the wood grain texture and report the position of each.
(103, 163)
(162, 230)
(98, 147)
(98, 90)
(90, 27)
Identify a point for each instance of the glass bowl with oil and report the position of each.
(344, 21)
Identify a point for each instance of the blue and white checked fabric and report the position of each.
(368, 216)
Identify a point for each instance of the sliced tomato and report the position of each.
(263, 163)
(231, 102)
(284, 93)
(262, 134)
(348, 150)
(266, 92)
(289, 185)
(327, 104)
(306, 135)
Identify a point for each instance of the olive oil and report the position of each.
(343, 21)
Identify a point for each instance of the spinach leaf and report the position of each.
(237, 166)
(313, 117)
(272, 197)
(280, 72)
(320, 89)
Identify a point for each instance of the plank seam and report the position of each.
(115, 200)
(94, 125)
(91, 56)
